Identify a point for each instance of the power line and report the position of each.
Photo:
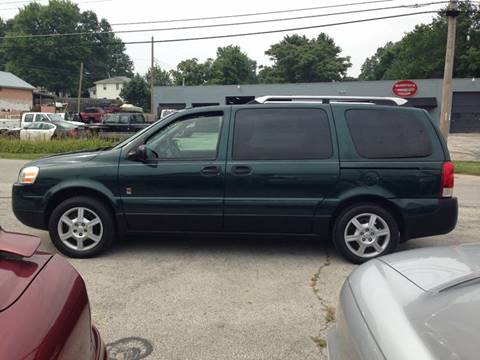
(250, 14)
(256, 33)
(281, 30)
(222, 24)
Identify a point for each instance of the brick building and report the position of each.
(15, 94)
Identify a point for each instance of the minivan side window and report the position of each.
(381, 134)
(281, 134)
(192, 138)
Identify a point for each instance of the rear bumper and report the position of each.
(434, 220)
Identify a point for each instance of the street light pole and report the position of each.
(446, 108)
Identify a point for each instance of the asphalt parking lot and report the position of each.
(221, 298)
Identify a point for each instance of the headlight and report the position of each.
(28, 175)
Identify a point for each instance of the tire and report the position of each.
(358, 241)
(73, 237)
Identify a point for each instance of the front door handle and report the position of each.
(241, 170)
(211, 170)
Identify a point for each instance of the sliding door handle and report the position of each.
(211, 170)
(241, 170)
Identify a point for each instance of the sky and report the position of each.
(358, 41)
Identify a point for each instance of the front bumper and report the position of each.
(437, 219)
(28, 208)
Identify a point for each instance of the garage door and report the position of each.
(465, 112)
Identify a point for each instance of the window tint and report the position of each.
(45, 126)
(193, 138)
(41, 117)
(281, 134)
(111, 119)
(138, 119)
(29, 118)
(124, 119)
(34, 126)
(380, 134)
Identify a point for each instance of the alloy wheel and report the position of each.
(367, 235)
(80, 228)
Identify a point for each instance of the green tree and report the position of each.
(420, 53)
(53, 62)
(232, 66)
(160, 77)
(4, 27)
(192, 72)
(299, 59)
(137, 92)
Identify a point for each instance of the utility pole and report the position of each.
(80, 87)
(152, 101)
(446, 108)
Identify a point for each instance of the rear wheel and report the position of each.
(365, 231)
(81, 227)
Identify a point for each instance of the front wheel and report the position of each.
(365, 231)
(81, 227)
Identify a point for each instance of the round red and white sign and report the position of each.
(405, 88)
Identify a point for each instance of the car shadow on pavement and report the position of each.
(225, 244)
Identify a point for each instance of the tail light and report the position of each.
(448, 170)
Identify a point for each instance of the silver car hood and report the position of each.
(422, 304)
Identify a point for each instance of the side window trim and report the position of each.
(359, 147)
(330, 127)
(219, 113)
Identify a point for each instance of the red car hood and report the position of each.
(19, 265)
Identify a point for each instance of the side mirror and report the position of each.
(138, 154)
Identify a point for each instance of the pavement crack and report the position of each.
(327, 309)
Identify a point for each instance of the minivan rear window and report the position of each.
(381, 134)
(281, 134)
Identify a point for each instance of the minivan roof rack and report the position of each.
(325, 99)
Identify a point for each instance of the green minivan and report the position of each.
(364, 174)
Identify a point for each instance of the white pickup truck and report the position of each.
(29, 117)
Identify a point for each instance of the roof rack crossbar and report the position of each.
(324, 99)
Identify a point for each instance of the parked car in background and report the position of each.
(28, 118)
(92, 115)
(323, 167)
(122, 122)
(43, 131)
(419, 304)
(112, 108)
(44, 307)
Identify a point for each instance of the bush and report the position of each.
(16, 146)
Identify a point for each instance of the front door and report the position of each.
(181, 186)
(281, 164)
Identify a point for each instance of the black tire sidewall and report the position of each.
(346, 215)
(90, 203)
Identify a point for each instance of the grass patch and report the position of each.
(20, 149)
(467, 167)
(320, 342)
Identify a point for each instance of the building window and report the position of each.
(118, 86)
(104, 86)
